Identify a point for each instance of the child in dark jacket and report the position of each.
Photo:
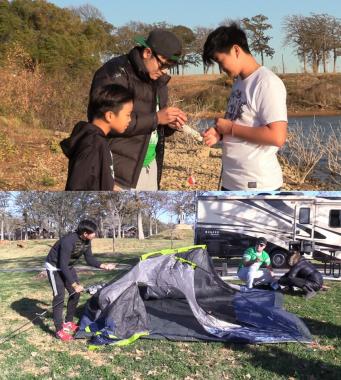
(91, 165)
(61, 273)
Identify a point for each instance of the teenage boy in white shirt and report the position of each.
(255, 124)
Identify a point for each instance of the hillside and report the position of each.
(31, 159)
(307, 94)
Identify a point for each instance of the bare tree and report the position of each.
(88, 12)
(155, 205)
(314, 37)
(4, 199)
(296, 34)
(182, 202)
(201, 33)
(66, 209)
(256, 28)
(335, 39)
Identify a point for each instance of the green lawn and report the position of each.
(35, 353)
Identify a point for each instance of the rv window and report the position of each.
(335, 218)
(304, 216)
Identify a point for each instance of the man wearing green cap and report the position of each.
(138, 153)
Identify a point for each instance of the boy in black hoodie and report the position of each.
(90, 160)
(61, 273)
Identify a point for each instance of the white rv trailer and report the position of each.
(230, 224)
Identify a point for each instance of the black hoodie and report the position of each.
(90, 159)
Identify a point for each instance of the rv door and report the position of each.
(328, 228)
(304, 228)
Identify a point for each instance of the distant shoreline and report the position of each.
(303, 113)
(314, 113)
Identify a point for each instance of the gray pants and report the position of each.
(147, 179)
(251, 273)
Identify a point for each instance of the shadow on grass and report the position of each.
(323, 329)
(287, 364)
(23, 262)
(29, 308)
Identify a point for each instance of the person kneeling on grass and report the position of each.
(91, 165)
(249, 269)
(303, 275)
(62, 275)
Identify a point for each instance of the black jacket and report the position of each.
(306, 270)
(67, 251)
(129, 149)
(90, 159)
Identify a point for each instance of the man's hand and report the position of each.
(223, 126)
(109, 266)
(211, 136)
(172, 116)
(78, 288)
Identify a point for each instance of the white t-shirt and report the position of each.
(255, 101)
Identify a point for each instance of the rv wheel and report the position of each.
(279, 258)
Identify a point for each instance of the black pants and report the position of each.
(59, 284)
(313, 282)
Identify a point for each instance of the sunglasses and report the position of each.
(261, 245)
(163, 65)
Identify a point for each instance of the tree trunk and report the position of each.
(156, 229)
(315, 64)
(119, 227)
(2, 230)
(304, 63)
(150, 226)
(113, 226)
(262, 55)
(101, 227)
(334, 60)
(324, 59)
(113, 243)
(140, 233)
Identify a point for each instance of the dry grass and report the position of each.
(55, 101)
(333, 149)
(300, 156)
(32, 164)
(34, 251)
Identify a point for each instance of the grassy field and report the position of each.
(35, 353)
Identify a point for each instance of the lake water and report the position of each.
(324, 124)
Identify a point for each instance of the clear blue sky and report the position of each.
(210, 13)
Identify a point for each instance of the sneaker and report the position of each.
(63, 335)
(274, 285)
(70, 327)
